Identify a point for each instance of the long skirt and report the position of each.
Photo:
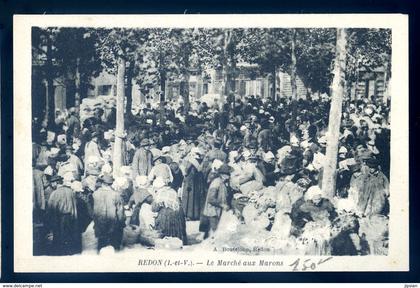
(67, 239)
(171, 223)
(193, 195)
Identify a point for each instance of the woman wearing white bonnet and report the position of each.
(268, 168)
(283, 152)
(170, 220)
(246, 154)
(142, 181)
(312, 208)
(77, 186)
(158, 183)
(216, 164)
(314, 193)
(232, 156)
(106, 169)
(120, 184)
(269, 156)
(140, 193)
(195, 152)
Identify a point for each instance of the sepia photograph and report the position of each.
(189, 146)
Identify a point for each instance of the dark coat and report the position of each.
(193, 192)
(268, 170)
(178, 178)
(63, 222)
(142, 162)
(108, 215)
(84, 202)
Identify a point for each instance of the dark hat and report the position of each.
(365, 155)
(144, 142)
(151, 142)
(253, 144)
(253, 157)
(225, 169)
(157, 157)
(94, 171)
(107, 178)
(218, 141)
(372, 162)
(69, 148)
(347, 123)
(304, 182)
(290, 164)
(56, 178)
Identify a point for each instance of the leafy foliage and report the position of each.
(159, 54)
(315, 51)
(368, 49)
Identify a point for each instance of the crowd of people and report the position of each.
(257, 160)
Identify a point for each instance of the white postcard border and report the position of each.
(24, 261)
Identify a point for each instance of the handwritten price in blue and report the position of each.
(307, 264)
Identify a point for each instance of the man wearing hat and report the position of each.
(215, 153)
(252, 146)
(142, 160)
(264, 137)
(63, 220)
(73, 124)
(218, 198)
(108, 214)
(369, 187)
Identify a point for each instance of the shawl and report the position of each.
(168, 197)
(63, 201)
(194, 162)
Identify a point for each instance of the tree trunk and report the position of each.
(129, 92)
(231, 73)
(162, 95)
(119, 130)
(273, 83)
(50, 103)
(293, 64)
(278, 79)
(225, 87)
(185, 91)
(330, 165)
(227, 65)
(77, 84)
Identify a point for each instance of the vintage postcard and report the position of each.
(211, 143)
